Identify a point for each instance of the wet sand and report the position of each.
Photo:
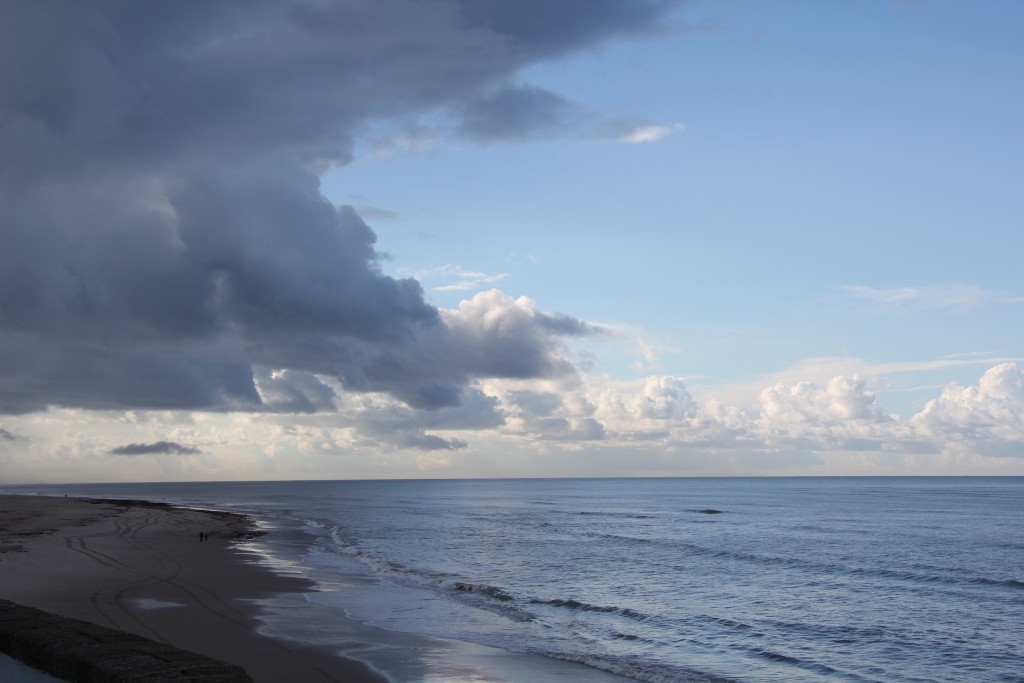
(142, 568)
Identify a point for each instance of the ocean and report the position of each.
(742, 579)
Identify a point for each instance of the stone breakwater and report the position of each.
(88, 653)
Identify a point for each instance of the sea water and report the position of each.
(761, 579)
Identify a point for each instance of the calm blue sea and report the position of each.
(789, 579)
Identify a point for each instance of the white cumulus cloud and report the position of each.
(993, 411)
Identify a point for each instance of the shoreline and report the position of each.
(142, 568)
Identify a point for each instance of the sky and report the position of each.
(314, 239)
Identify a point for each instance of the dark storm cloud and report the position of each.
(162, 232)
(546, 28)
(157, 448)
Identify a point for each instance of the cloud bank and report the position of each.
(165, 244)
(660, 413)
(586, 425)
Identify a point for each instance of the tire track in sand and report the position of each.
(166, 570)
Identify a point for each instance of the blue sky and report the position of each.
(653, 238)
(844, 181)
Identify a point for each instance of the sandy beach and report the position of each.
(142, 568)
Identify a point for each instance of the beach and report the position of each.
(459, 581)
(143, 568)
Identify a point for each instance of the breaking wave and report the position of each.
(491, 598)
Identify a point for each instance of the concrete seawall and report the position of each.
(87, 653)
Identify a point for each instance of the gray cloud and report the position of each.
(380, 433)
(516, 113)
(6, 435)
(407, 428)
(163, 232)
(430, 442)
(290, 391)
(157, 448)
